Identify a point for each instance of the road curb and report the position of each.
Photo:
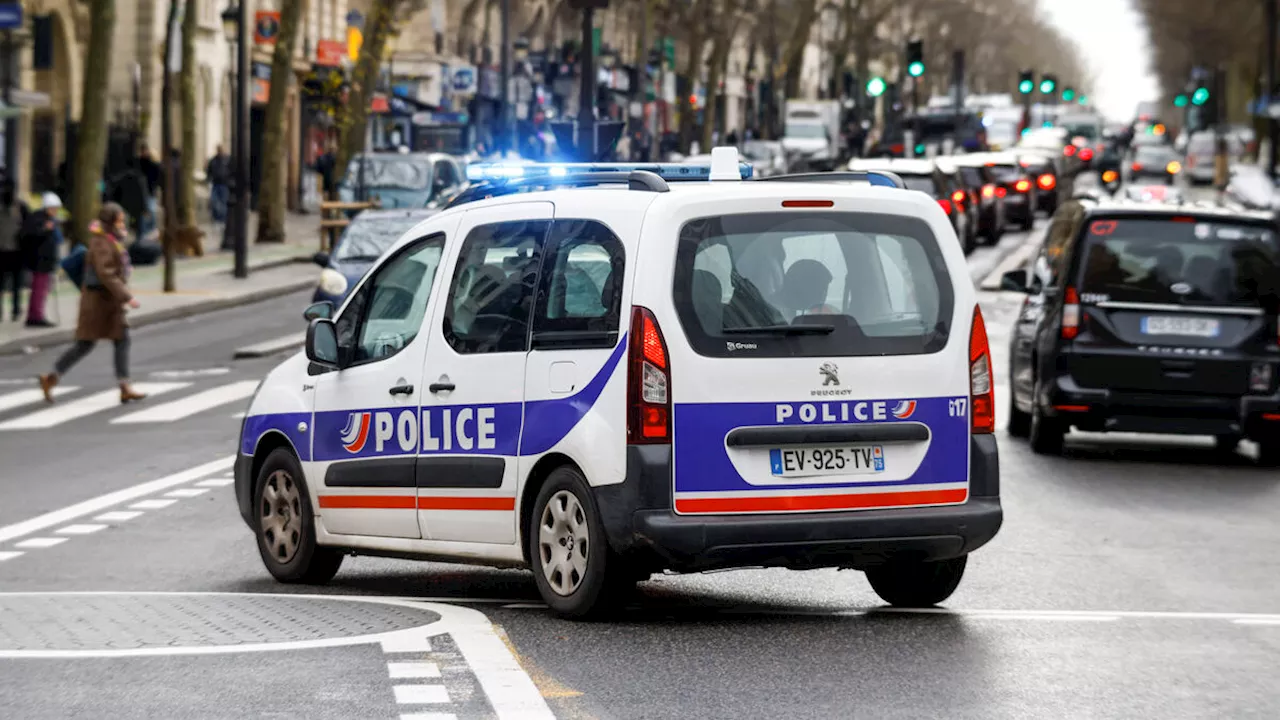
(271, 347)
(65, 335)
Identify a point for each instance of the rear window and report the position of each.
(1163, 261)
(923, 183)
(812, 284)
(1006, 173)
(1155, 154)
(972, 176)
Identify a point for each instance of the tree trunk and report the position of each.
(191, 154)
(91, 147)
(379, 25)
(271, 186)
(794, 58)
(687, 118)
(169, 193)
(715, 71)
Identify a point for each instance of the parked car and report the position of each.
(401, 180)
(362, 243)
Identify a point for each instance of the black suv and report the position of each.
(1149, 318)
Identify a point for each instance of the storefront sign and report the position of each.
(261, 82)
(464, 80)
(379, 104)
(266, 27)
(10, 15)
(329, 53)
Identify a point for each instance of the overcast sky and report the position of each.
(1113, 40)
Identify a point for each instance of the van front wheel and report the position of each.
(917, 584)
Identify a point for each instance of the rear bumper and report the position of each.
(1105, 410)
(641, 524)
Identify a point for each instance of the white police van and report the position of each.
(624, 375)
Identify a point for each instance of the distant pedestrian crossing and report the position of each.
(167, 402)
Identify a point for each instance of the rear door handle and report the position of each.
(441, 387)
(401, 390)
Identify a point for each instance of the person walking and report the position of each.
(102, 303)
(11, 259)
(40, 239)
(218, 173)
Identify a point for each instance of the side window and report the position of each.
(582, 282)
(491, 298)
(389, 309)
(445, 174)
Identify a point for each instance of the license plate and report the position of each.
(841, 460)
(1186, 326)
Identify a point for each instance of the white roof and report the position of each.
(910, 166)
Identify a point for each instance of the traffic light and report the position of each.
(1180, 101)
(1047, 84)
(1084, 100)
(1026, 82)
(1068, 94)
(875, 87)
(1200, 96)
(915, 58)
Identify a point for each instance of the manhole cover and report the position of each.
(88, 621)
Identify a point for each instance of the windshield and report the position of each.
(390, 171)
(874, 284)
(367, 239)
(806, 130)
(1174, 261)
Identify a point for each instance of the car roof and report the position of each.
(907, 166)
(1120, 207)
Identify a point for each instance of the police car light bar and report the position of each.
(500, 172)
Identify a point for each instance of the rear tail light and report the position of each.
(946, 205)
(1070, 314)
(1110, 176)
(1069, 150)
(957, 196)
(1137, 167)
(648, 382)
(1001, 192)
(982, 401)
(1260, 377)
(1173, 168)
(988, 191)
(1046, 181)
(897, 148)
(1086, 154)
(1022, 186)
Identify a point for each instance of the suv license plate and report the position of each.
(1186, 326)
(842, 460)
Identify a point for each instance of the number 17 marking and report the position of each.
(958, 407)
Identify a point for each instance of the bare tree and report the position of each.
(91, 146)
(271, 200)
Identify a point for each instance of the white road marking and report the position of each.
(1257, 621)
(102, 502)
(97, 402)
(9, 401)
(420, 694)
(117, 516)
(428, 716)
(190, 405)
(406, 644)
(10, 554)
(41, 542)
(215, 482)
(401, 670)
(510, 690)
(203, 372)
(186, 492)
(85, 529)
(152, 504)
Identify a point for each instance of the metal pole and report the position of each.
(241, 215)
(587, 105)
(1273, 126)
(228, 219)
(10, 123)
(506, 128)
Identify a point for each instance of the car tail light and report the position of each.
(1110, 176)
(1086, 154)
(1070, 314)
(648, 382)
(1069, 150)
(1001, 192)
(1137, 167)
(1046, 181)
(946, 205)
(957, 196)
(1022, 186)
(982, 401)
(988, 191)
(1173, 168)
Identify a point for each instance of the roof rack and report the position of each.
(881, 178)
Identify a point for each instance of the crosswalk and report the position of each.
(24, 409)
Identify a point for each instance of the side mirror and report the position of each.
(322, 310)
(1015, 281)
(321, 259)
(322, 343)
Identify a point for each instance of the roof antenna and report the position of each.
(724, 163)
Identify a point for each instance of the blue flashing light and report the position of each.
(667, 171)
(880, 180)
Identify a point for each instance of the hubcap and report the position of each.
(280, 517)
(563, 542)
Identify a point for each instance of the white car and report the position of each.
(627, 375)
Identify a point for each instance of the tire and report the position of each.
(1019, 421)
(1226, 444)
(288, 543)
(592, 587)
(1268, 451)
(1046, 433)
(917, 584)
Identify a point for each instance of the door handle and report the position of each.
(401, 390)
(440, 387)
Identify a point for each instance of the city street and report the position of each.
(1130, 579)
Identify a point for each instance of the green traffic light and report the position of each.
(1084, 100)
(1200, 96)
(1026, 86)
(1046, 86)
(915, 69)
(875, 87)
(1068, 95)
(919, 149)
(1180, 101)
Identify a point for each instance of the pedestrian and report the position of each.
(11, 259)
(41, 238)
(102, 303)
(150, 170)
(218, 174)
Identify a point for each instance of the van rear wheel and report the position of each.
(917, 584)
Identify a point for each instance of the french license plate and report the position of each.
(842, 460)
(1185, 326)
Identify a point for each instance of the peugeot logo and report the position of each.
(830, 374)
(1181, 288)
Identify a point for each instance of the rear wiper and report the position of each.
(782, 330)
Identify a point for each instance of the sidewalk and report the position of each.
(204, 284)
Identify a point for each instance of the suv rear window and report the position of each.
(1168, 261)
(811, 285)
(923, 183)
(1006, 173)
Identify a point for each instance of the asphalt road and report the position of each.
(1132, 578)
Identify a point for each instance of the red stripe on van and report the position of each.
(368, 502)
(793, 503)
(452, 502)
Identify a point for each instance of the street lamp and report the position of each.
(235, 28)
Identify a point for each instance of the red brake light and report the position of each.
(1001, 192)
(1069, 150)
(1046, 181)
(1086, 154)
(1022, 185)
(1137, 167)
(982, 401)
(648, 382)
(946, 205)
(808, 203)
(958, 196)
(1070, 314)
(988, 191)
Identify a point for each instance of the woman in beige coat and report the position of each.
(102, 302)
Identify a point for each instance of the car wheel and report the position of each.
(1226, 444)
(285, 524)
(1019, 421)
(917, 584)
(1046, 433)
(1268, 451)
(577, 573)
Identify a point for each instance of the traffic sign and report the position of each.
(10, 16)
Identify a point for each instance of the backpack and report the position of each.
(73, 265)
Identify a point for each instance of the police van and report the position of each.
(618, 374)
